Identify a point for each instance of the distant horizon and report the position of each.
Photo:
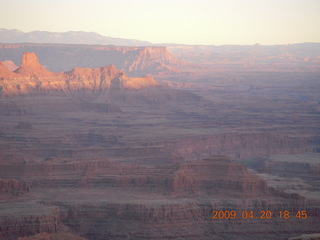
(142, 40)
(193, 22)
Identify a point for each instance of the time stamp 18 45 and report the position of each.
(264, 214)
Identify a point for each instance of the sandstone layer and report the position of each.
(101, 199)
(135, 61)
(240, 146)
(96, 153)
(32, 77)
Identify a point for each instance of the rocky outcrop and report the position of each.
(30, 66)
(10, 65)
(13, 186)
(32, 78)
(101, 199)
(177, 220)
(110, 78)
(5, 72)
(153, 60)
(304, 166)
(215, 175)
(292, 57)
(135, 61)
(28, 220)
(185, 220)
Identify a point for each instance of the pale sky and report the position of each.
(214, 22)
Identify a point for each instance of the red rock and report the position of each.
(32, 77)
(29, 220)
(239, 146)
(30, 66)
(216, 173)
(135, 61)
(154, 60)
(5, 73)
(10, 65)
(13, 186)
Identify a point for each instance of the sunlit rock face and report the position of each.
(32, 77)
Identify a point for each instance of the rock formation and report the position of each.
(105, 78)
(210, 175)
(216, 173)
(30, 66)
(239, 146)
(135, 61)
(154, 60)
(28, 219)
(100, 199)
(13, 186)
(32, 77)
(5, 72)
(151, 168)
(10, 65)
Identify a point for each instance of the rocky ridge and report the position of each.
(239, 146)
(100, 199)
(135, 61)
(143, 172)
(208, 175)
(32, 77)
(13, 186)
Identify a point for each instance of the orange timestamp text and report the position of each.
(264, 214)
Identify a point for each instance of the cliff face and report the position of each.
(13, 186)
(28, 219)
(110, 78)
(154, 60)
(99, 199)
(30, 66)
(304, 166)
(135, 61)
(5, 72)
(189, 219)
(10, 65)
(32, 77)
(217, 174)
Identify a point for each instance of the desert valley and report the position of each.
(159, 142)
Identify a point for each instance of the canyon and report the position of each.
(135, 61)
(102, 151)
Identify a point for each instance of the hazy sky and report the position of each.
(213, 22)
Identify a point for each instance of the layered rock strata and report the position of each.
(13, 186)
(209, 175)
(32, 77)
(136, 61)
(27, 219)
(102, 199)
(239, 146)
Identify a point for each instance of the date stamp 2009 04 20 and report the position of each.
(264, 214)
